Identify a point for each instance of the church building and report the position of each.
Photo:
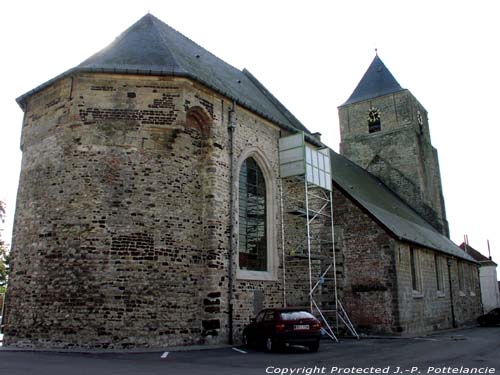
(155, 206)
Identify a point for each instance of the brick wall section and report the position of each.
(467, 300)
(401, 154)
(296, 245)
(369, 277)
(431, 309)
(377, 280)
(251, 295)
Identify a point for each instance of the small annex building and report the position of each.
(152, 206)
(488, 279)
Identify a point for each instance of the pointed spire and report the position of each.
(377, 81)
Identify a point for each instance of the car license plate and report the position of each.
(301, 327)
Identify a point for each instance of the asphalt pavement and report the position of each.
(468, 351)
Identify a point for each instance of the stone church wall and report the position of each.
(252, 136)
(377, 280)
(369, 274)
(112, 229)
(429, 308)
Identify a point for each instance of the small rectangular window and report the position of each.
(438, 264)
(472, 279)
(461, 279)
(416, 279)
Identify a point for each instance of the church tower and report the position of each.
(385, 130)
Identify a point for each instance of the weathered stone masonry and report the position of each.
(88, 187)
(401, 154)
(118, 179)
(377, 279)
(369, 279)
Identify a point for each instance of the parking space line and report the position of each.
(240, 351)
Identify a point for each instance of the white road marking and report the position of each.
(240, 351)
(164, 355)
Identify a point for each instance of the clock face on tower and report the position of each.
(373, 120)
(420, 119)
(373, 115)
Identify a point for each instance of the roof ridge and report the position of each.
(476, 254)
(164, 24)
(160, 35)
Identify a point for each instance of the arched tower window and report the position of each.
(252, 251)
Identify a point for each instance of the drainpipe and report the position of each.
(3, 312)
(231, 127)
(480, 291)
(454, 323)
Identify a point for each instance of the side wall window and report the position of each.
(461, 277)
(438, 263)
(416, 279)
(252, 217)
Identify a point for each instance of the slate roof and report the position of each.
(151, 47)
(388, 209)
(376, 81)
(476, 255)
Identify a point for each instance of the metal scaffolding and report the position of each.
(308, 234)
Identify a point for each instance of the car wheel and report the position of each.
(270, 345)
(314, 346)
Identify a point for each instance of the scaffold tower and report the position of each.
(308, 233)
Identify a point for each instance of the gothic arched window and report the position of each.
(252, 251)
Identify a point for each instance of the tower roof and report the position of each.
(377, 81)
(151, 47)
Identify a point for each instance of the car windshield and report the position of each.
(296, 315)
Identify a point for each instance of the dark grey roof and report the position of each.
(476, 254)
(388, 209)
(151, 47)
(377, 81)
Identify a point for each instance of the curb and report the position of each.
(117, 351)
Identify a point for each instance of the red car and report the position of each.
(276, 329)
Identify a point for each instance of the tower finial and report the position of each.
(376, 51)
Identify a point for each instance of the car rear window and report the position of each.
(296, 315)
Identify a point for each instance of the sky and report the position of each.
(310, 55)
